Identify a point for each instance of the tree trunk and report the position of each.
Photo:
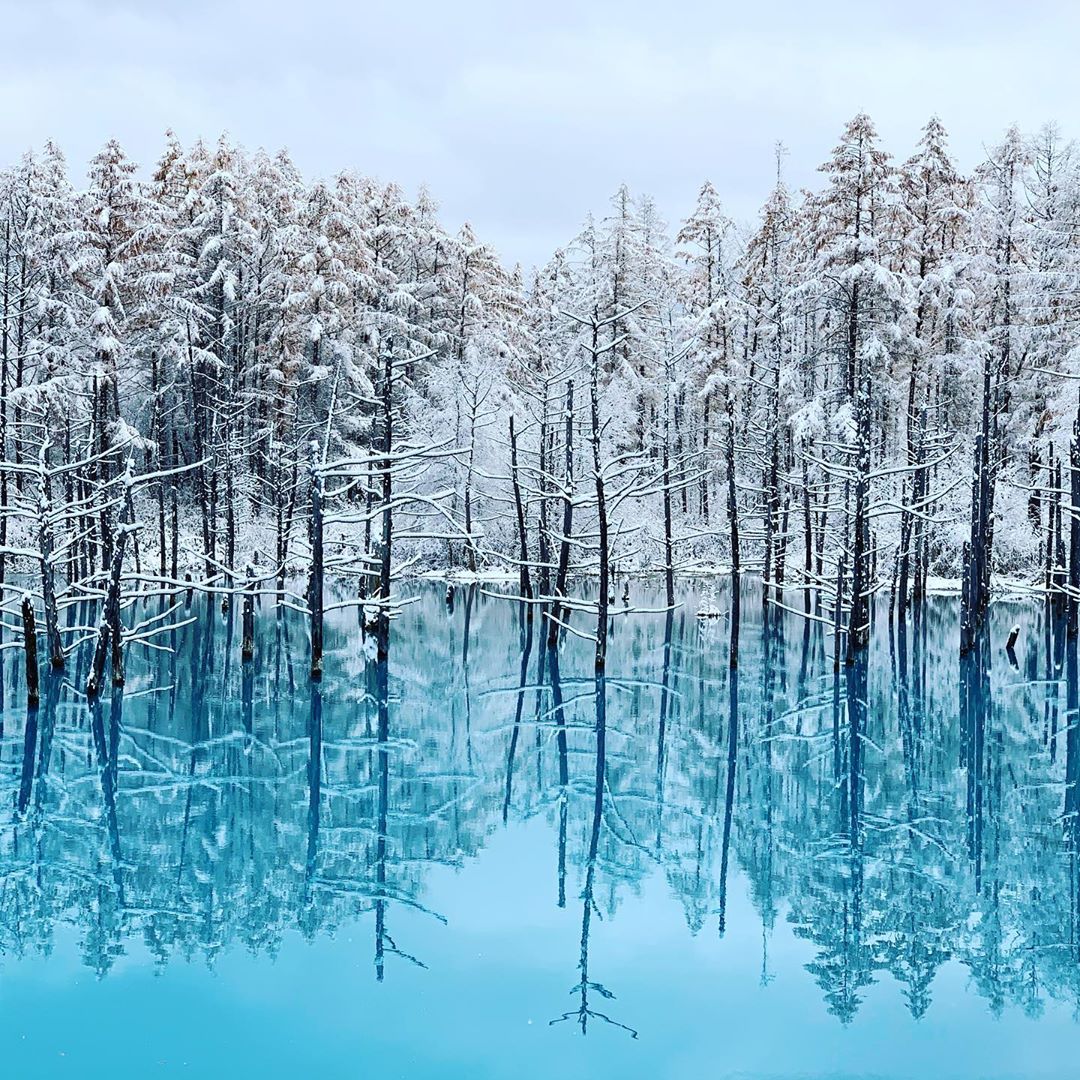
(568, 519)
(110, 621)
(33, 696)
(315, 587)
(524, 583)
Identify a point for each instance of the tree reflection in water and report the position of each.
(901, 812)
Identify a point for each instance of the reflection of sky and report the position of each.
(496, 974)
(524, 117)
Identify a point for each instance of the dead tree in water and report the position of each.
(975, 595)
(392, 474)
(109, 628)
(387, 507)
(674, 461)
(523, 568)
(59, 508)
(1002, 170)
(604, 469)
(617, 478)
(33, 696)
(733, 532)
(315, 584)
(1074, 527)
(858, 631)
(57, 526)
(926, 451)
(561, 572)
(595, 350)
(247, 648)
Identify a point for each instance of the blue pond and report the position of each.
(479, 861)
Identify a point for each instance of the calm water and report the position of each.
(502, 872)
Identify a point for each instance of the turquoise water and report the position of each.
(480, 863)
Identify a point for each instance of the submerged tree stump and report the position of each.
(33, 696)
(247, 649)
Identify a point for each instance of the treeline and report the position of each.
(226, 373)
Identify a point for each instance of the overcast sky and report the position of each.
(522, 117)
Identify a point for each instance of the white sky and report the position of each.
(521, 117)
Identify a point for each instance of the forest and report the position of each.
(686, 495)
(222, 377)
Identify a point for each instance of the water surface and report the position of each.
(481, 862)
